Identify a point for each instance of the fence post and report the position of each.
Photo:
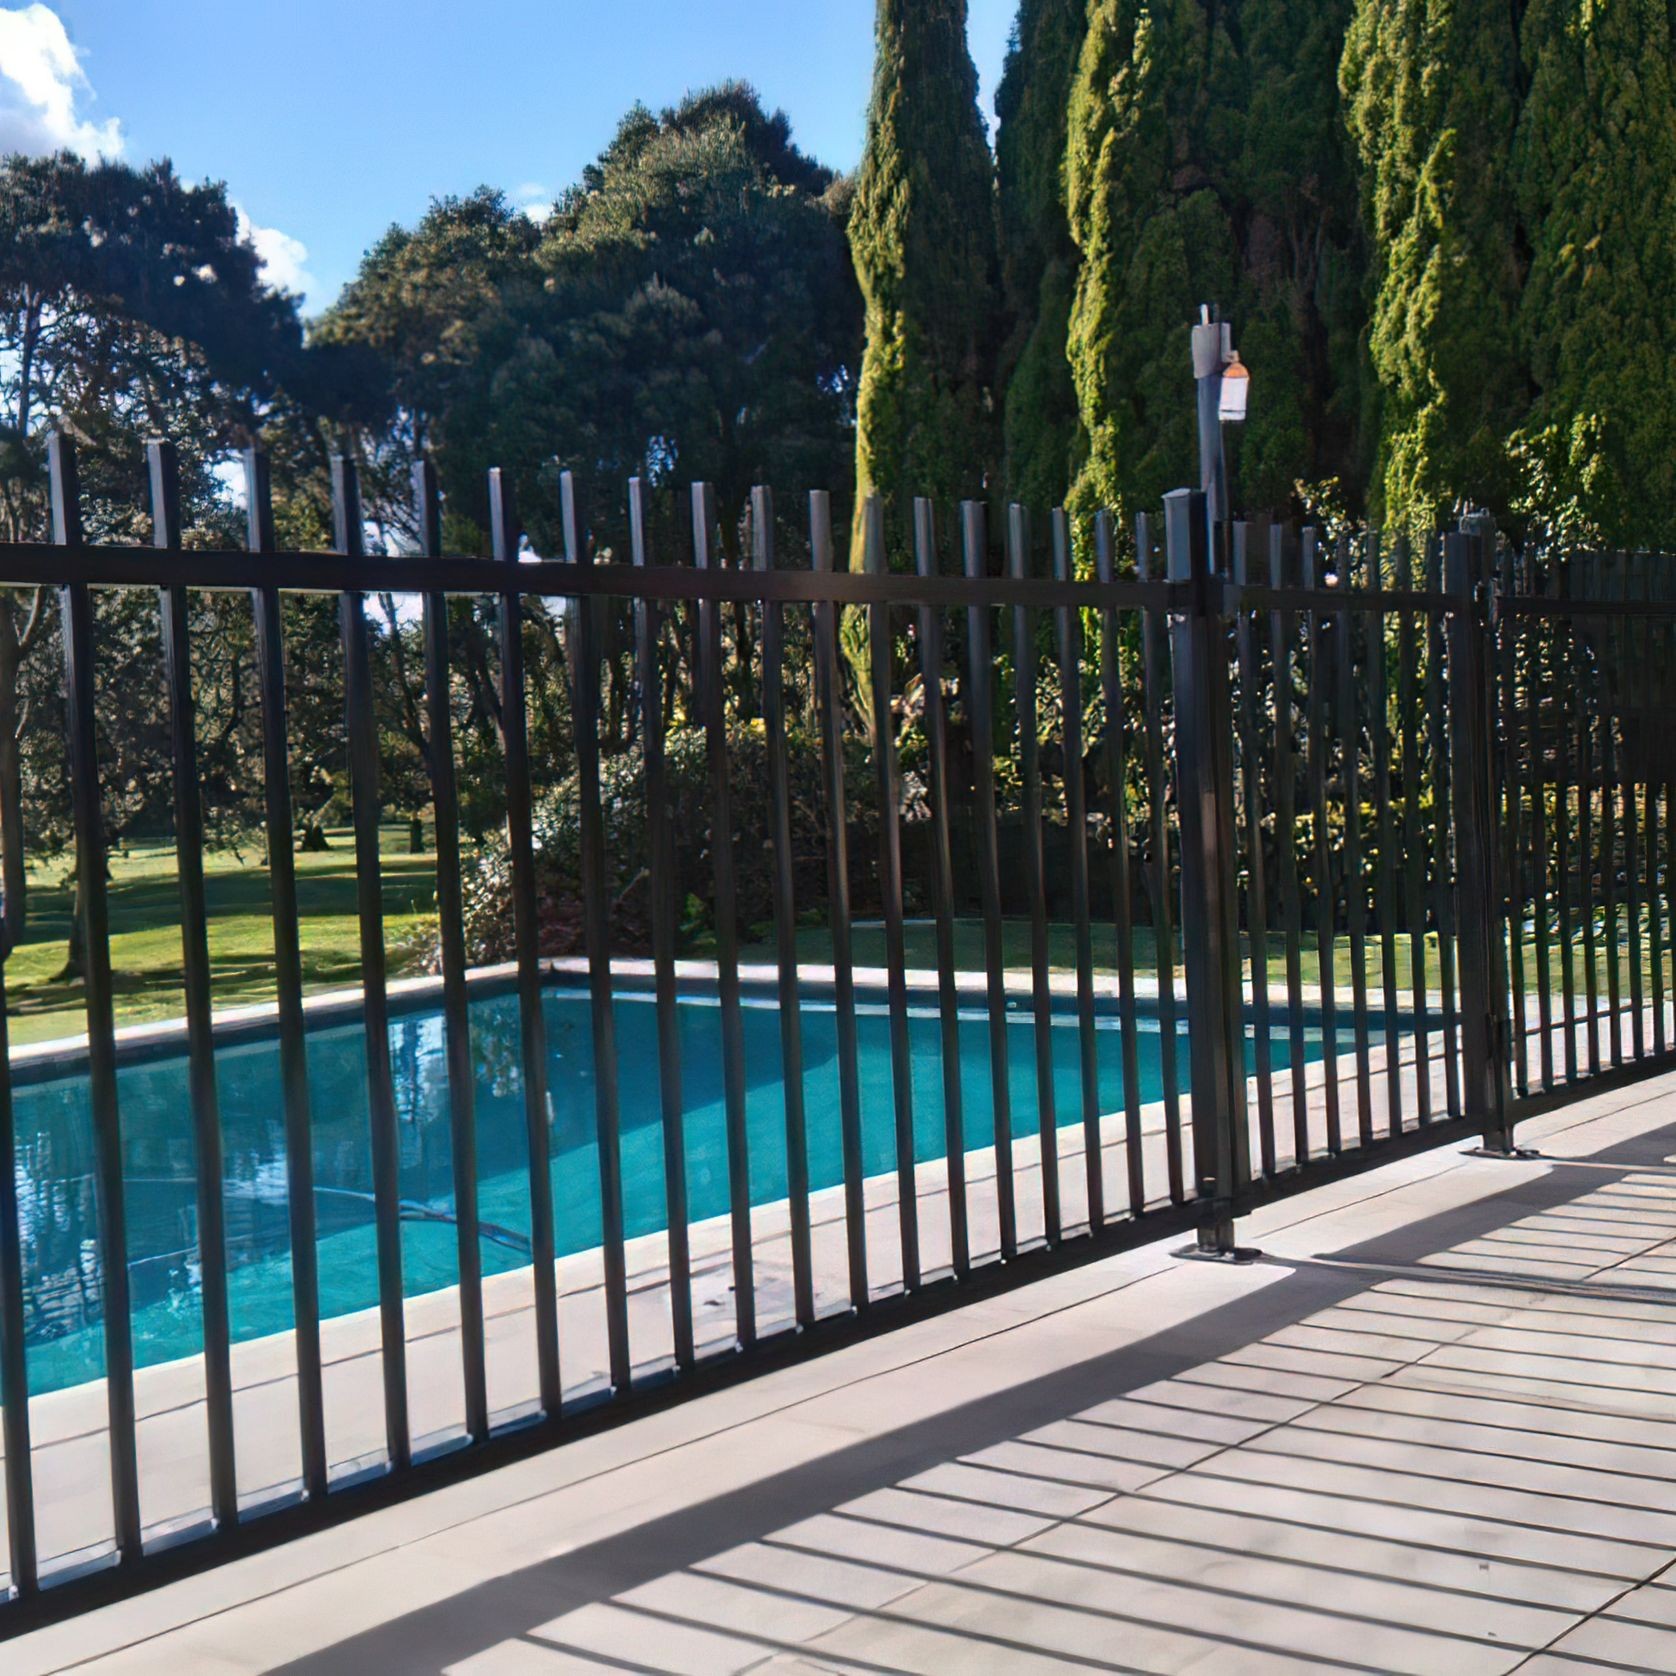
(1484, 1023)
(1209, 922)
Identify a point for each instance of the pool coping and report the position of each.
(136, 1043)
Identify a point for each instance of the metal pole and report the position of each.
(1210, 931)
(1484, 1020)
(1212, 340)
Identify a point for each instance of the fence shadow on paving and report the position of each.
(876, 937)
(1446, 1449)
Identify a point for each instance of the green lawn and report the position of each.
(814, 943)
(145, 930)
(145, 937)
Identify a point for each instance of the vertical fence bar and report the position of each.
(1536, 706)
(1068, 630)
(22, 1553)
(942, 890)
(660, 866)
(1154, 677)
(163, 470)
(1441, 851)
(1562, 657)
(268, 623)
(1504, 631)
(713, 707)
(1115, 743)
(1317, 751)
(462, 1090)
(1282, 654)
(1660, 640)
(362, 727)
(1655, 910)
(596, 937)
(1385, 878)
(1610, 769)
(785, 913)
(1256, 899)
(830, 704)
(93, 915)
(1665, 880)
(504, 532)
(1030, 771)
(1588, 710)
(1655, 639)
(1414, 902)
(880, 660)
(1355, 882)
(1209, 909)
(829, 700)
(981, 711)
(1471, 729)
(1624, 791)
(1662, 861)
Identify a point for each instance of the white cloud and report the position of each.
(41, 84)
(284, 259)
(534, 200)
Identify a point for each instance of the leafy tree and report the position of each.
(923, 235)
(1038, 255)
(431, 310)
(129, 307)
(705, 320)
(1432, 98)
(1598, 201)
(687, 313)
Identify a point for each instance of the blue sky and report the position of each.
(329, 119)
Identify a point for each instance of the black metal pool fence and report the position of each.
(1252, 777)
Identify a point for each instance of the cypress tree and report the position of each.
(1038, 255)
(1431, 90)
(1598, 197)
(923, 238)
(1303, 258)
(1206, 161)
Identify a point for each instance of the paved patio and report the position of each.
(1434, 1430)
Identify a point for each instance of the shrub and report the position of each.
(558, 848)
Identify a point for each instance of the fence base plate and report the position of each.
(1234, 1254)
(1509, 1155)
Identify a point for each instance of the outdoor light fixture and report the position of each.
(1224, 393)
(1236, 390)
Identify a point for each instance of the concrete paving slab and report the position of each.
(1609, 1639)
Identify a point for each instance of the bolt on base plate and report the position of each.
(1238, 1255)
(1215, 1243)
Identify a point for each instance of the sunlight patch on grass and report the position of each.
(145, 930)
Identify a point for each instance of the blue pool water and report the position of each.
(55, 1153)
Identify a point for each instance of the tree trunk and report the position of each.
(14, 880)
(75, 951)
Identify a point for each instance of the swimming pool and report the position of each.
(55, 1151)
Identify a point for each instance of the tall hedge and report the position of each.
(1595, 163)
(923, 237)
(1432, 97)
(1038, 255)
(1206, 161)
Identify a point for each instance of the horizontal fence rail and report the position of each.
(1093, 882)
